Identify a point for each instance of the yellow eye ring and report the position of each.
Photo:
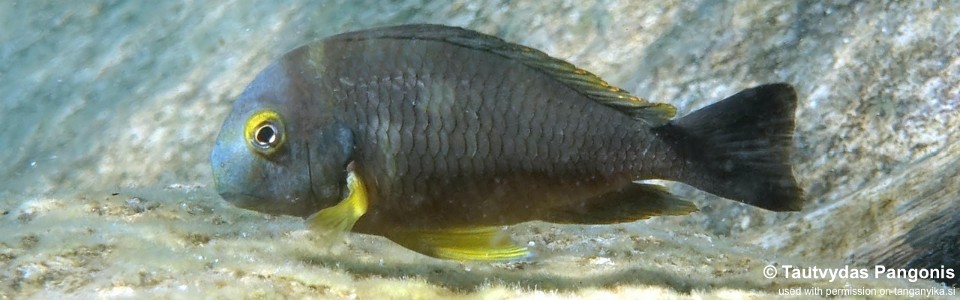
(264, 132)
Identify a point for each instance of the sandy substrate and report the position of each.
(110, 109)
(183, 241)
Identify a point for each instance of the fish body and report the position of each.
(435, 136)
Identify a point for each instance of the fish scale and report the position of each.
(526, 147)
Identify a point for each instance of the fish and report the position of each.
(439, 138)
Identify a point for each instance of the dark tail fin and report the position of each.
(739, 148)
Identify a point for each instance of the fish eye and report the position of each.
(265, 136)
(264, 131)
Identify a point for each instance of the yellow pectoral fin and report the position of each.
(476, 243)
(341, 217)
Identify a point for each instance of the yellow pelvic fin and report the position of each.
(472, 243)
(341, 217)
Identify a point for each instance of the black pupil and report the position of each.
(266, 135)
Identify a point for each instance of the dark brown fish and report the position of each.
(434, 136)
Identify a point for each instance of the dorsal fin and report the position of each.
(586, 83)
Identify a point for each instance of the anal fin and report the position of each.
(631, 203)
(475, 243)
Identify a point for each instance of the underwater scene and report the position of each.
(479, 149)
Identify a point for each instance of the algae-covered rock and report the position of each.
(110, 110)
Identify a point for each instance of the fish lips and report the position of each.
(253, 197)
(287, 206)
(248, 202)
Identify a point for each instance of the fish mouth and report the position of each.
(245, 201)
(272, 206)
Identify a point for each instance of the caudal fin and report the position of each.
(739, 148)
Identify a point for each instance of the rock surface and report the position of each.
(125, 98)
